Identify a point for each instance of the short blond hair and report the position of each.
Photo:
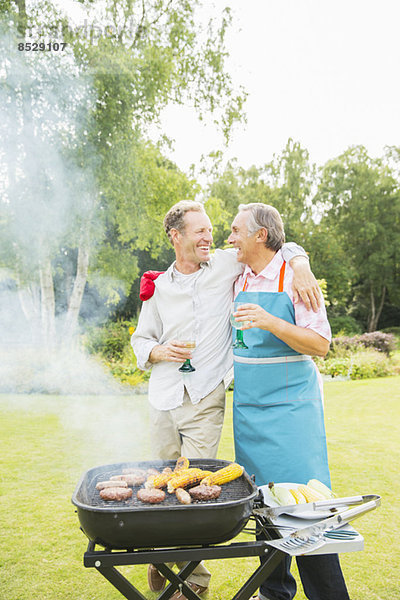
(174, 217)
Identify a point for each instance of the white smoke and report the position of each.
(47, 197)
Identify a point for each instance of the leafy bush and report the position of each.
(394, 330)
(370, 363)
(109, 341)
(363, 364)
(334, 367)
(128, 374)
(382, 342)
(112, 344)
(344, 325)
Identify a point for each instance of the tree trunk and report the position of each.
(375, 313)
(48, 304)
(29, 299)
(75, 299)
(22, 17)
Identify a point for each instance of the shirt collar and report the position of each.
(271, 271)
(170, 270)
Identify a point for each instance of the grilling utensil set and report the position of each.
(314, 536)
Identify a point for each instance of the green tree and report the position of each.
(287, 183)
(360, 196)
(139, 57)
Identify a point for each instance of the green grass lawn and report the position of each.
(47, 442)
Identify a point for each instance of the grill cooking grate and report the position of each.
(231, 491)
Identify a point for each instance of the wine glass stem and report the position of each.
(239, 335)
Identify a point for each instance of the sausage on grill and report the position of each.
(183, 496)
(152, 496)
(116, 493)
(205, 492)
(153, 472)
(110, 484)
(133, 471)
(130, 478)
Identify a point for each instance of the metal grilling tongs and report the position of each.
(314, 536)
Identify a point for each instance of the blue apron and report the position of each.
(278, 415)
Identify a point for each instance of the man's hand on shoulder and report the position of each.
(305, 286)
(172, 351)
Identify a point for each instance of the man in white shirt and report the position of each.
(192, 299)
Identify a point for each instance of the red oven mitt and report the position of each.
(147, 286)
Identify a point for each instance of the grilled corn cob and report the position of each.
(158, 481)
(309, 494)
(185, 478)
(228, 473)
(181, 463)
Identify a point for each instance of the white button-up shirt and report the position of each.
(180, 312)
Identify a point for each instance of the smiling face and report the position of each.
(246, 245)
(193, 244)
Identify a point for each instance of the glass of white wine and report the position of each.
(187, 366)
(239, 342)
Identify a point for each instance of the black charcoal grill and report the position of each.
(132, 524)
(134, 533)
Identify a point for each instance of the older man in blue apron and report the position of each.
(278, 411)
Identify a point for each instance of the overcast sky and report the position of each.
(325, 73)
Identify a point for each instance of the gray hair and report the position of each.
(174, 217)
(264, 215)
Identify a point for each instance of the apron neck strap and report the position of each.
(281, 277)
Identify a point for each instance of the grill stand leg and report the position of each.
(131, 593)
(121, 583)
(104, 562)
(260, 575)
(178, 580)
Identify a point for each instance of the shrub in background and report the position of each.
(396, 332)
(344, 325)
(370, 363)
(109, 341)
(382, 342)
(361, 356)
(363, 364)
(334, 367)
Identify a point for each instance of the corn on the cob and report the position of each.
(159, 481)
(228, 473)
(298, 496)
(309, 494)
(320, 487)
(185, 478)
(282, 495)
(181, 463)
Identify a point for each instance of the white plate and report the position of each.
(270, 501)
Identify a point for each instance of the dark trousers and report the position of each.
(321, 576)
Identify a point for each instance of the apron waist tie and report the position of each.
(271, 359)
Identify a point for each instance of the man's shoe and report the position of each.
(155, 579)
(198, 589)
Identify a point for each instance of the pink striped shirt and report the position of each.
(268, 280)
